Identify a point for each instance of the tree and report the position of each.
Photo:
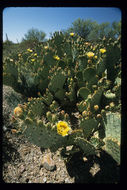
(83, 27)
(92, 31)
(32, 37)
(116, 28)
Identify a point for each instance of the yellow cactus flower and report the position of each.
(96, 107)
(29, 50)
(72, 34)
(32, 60)
(35, 54)
(56, 57)
(90, 54)
(45, 47)
(63, 128)
(102, 50)
(18, 111)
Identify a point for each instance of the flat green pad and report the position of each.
(83, 92)
(88, 149)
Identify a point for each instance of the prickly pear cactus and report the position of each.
(64, 79)
(113, 135)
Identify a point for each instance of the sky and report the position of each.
(18, 20)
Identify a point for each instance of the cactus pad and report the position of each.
(83, 92)
(88, 126)
(113, 135)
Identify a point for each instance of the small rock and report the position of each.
(48, 162)
(69, 148)
(62, 181)
(29, 181)
(98, 154)
(44, 179)
(94, 169)
(41, 172)
(49, 181)
(58, 169)
(22, 169)
(66, 180)
(5, 128)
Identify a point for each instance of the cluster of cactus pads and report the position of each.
(71, 94)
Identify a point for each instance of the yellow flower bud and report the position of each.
(84, 103)
(84, 113)
(102, 50)
(98, 115)
(89, 61)
(13, 130)
(29, 50)
(62, 112)
(102, 111)
(112, 104)
(56, 57)
(45, 47)
(18, 111)
(107, 107)
(96, 107)
(90, 54)
(71, 34)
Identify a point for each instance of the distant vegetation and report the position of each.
(30, 39)
(87, 29)
(92, 31)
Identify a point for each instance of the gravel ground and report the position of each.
(22, 161)
(22, 164)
